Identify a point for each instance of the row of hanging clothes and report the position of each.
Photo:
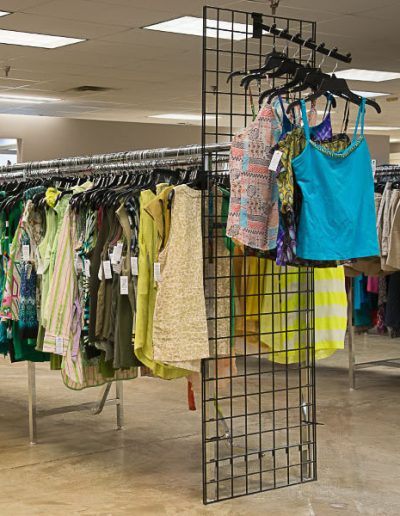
(102, 272)
(300, 196)
(376, 280)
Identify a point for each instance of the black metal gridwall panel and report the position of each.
(258, 389)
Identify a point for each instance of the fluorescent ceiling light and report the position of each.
(332, 111)
(4, 13)
(181, 116)
(380, 128)
(394, 140)
(355, 74)
(194, 27)
(32, 39)
(370, 94)
(24, 99)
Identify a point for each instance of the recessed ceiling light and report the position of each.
(380, 128)
(370, 94)
(4, 13)
(193, 26)
(32, 39)
(25, 99)
(355, 74)
(181, 116)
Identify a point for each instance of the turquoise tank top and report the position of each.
(337, 217)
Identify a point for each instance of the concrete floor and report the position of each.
(83, 466)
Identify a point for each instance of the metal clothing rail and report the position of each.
(93, 164)
(385, 173)
(353, 365)
(31, 167)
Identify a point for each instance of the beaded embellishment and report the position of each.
(333, 154)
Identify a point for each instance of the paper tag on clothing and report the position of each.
(373, 163)
(107, 269)
(276, 158)
(87, 268)
(123, 283)
(78, 263)
(40, 269)
(134, 265)
(157, 272)
(117, 253)
(28, 271)
(26, 252)
(59, 346)
(100, 273)
(117, 267)
(7, 224)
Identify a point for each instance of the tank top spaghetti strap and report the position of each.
(337, 218)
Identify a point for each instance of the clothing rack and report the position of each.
(148, 156)
(259, 27)
(96, 408)
(383, 172)
(101, 163)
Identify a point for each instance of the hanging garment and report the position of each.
(253, 211)
(337, 218)
(284, 321)
(180, 335)
(146, 292)
(290, 197)
(393, 254)
(392, 316)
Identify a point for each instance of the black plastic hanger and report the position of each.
(338, 87)
(272, 60)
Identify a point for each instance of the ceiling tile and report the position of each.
(20, 5)
(57, 26)
(88, 11)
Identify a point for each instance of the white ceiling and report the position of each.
(153, 72)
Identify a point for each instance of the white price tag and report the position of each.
(107, 269)
(123, 282)
(276, 158)
(40, 269)
(373, 163)
(87, 268)
(78, 263)
(134, 265)
(59, 346)
(157, 272)
(117, 267)
(26, 252)
(100, 273)
(117, 253)
(28, 271)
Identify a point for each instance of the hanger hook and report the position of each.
(324, 58)
(298, 46)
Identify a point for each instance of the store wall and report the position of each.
(379, 147)
(51, 137)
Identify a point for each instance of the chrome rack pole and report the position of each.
(116, 157)
(32, 403)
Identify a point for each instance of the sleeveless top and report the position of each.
(337, 218)
(253, 217)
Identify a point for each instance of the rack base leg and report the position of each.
(119, 395)
(32, 403)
